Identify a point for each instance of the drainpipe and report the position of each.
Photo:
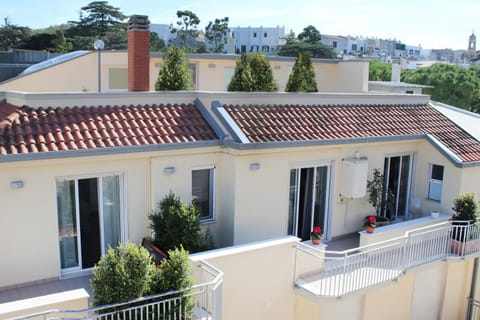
(472, 288)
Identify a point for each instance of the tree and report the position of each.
(253, 73)
(262, 73)
(379, 71)
(186, 26)
(302, 77)
(216, 34)
(61, 45)
(451, 84)
(174, 74)
(98, 18)
(307, 42)
(156, 44)
(12, 36)
(242, 79)
(310, 34)
(123, 274)
(176, 224)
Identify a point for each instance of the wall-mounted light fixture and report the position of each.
(255, 166)
(169, 170)
(17, 184)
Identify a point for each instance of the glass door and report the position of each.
(397, 175)
(308, 200)
(89, 220)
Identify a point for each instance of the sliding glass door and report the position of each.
(397, 175)
(89, 219)
(308, 200)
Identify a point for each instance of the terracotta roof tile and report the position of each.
(30, 130)
(279, 123)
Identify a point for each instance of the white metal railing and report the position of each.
(473, 309)
(202, 301)
(336, 273)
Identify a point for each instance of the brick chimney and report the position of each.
(138, 53)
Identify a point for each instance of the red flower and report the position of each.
(317, 230)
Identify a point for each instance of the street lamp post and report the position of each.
(99, 45)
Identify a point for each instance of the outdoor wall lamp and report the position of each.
(255, 166)
(17, 184)
(169, 170)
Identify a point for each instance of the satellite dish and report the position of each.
(98, 44)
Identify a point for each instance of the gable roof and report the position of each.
(28, 130)
(292, 123)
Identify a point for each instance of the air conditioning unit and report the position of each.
(354, 177)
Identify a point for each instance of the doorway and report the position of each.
(308, 200)
(397, 175)
(89, 220)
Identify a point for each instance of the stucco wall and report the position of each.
(29, 215)
(81, 74)
(258, 279)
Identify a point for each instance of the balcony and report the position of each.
(333, 274)
(201, 301)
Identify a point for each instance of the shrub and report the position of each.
(465, 207)
(253, 73)
(174, 75)
(176, 225)
(174, 274)
(122, 274)
(302, 77)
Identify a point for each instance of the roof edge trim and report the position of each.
(227, 120)
(107, 151)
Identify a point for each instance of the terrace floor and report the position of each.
(46, 288)
(56, 286)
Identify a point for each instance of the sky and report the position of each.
(433, 24)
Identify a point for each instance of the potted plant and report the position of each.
(375, 188)
(316, 235)
(370, 222)
(463, 221)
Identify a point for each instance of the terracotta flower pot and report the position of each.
(369, 229)
(315, 240)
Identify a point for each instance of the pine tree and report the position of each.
(174, 75)
(242, 79)
(302, 78)
(253, 73)
(262, 73)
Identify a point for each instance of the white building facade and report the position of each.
(258, 39)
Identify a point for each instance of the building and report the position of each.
(92, 167)
(258, 39)
(339, 43)
(210, 72)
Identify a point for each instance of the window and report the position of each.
(334, 44)
(117, 78)
(265, 35)
(203, 192)
(254, 34)
(436, 182)
(193, 74)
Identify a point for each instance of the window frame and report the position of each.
(212, 192)
(432, 181)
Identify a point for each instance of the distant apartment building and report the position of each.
(338, 43)
(258, 39)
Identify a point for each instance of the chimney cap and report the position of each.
(138, 23)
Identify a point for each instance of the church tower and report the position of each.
(472, 45)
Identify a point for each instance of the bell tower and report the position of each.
(472, 45)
